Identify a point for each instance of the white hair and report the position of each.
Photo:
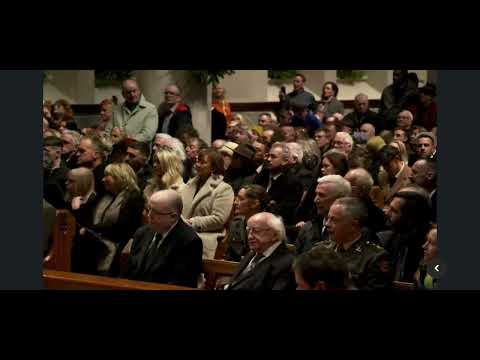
(342, 186)
(361, 96)
(296, 151)
(407, 113)
(174, 143)
(346, 137)
(275, 223)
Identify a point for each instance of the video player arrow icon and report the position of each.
(436, 268)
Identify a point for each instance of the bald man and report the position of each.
(167, 250)
(173, 115)
(136, 116)
(368, 130)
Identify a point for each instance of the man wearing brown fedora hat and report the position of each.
(242, 168)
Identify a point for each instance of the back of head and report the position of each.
(354, 208)
(322, 268)
(361, 180)
(415, 211)
(388, 154)
(123, 175)
(342, 187)
(170, 198)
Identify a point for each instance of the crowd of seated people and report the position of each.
(309, 197)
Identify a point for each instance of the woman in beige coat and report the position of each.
(208, 200)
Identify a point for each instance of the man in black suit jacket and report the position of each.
(284, 189)
(172, 114)
(269, 264)
(166, 251)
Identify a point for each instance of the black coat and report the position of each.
(405, 251)
(177, 261)
(273, 273)
(54, 186)
(180, 119)
(237, 239)
(286, 191)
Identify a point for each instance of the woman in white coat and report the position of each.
(208, 200)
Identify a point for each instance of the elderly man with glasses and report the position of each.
(167, 250)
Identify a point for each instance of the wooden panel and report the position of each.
(59, 257)
(61, 280)
(219, 267)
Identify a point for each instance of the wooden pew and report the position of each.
(62, 280)
(59, 257)
(213, 269)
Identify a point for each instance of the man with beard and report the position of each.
(408, 216)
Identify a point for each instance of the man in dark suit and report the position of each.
(329, 189)
(172, 113)
(167, 250)
(268, 266)
(284, 189)
(54, 172)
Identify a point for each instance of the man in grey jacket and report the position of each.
(136, 117)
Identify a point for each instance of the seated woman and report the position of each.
(423, 280)
(81, 200)
(116, 217)
(168, 169)
(251, 200)
(334, 163)
(208, 200)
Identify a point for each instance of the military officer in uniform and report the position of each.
(368, 264)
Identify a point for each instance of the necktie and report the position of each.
(254, 262)
(151, 250)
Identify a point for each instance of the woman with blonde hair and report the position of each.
(116, 217)
(168, 169)
(402, 148)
